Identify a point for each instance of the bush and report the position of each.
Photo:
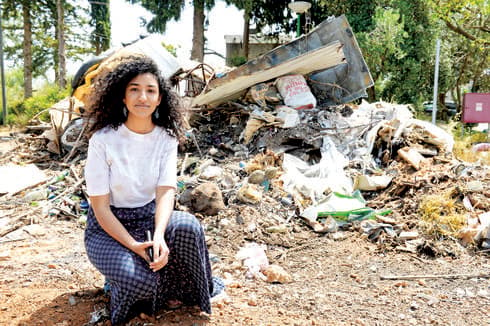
(463, 147)
(237, 60)
(21, 111)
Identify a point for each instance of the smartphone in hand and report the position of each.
(149, 250)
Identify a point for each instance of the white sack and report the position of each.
(295, 91)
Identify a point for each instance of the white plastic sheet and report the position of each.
(332, 203)
(253, 258)
(313, 181)
(152, 47)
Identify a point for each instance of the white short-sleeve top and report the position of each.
(129, 166)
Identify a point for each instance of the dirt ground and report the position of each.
(339, 278)
(47, 280)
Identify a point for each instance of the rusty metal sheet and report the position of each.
(343, 83)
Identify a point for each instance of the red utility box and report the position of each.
(476, 107)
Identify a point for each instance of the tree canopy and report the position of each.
(165, 11)
(43, 39)
(101, 21)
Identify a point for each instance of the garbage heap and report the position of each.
(371, 167)
(288, 120)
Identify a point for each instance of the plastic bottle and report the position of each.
(59, 177)
(38, 194)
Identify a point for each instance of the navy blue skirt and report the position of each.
(186, 277)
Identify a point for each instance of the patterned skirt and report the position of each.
(186, 277)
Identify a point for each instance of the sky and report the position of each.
(223, 19)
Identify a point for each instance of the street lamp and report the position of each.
(299, 7)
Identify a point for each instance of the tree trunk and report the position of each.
(197, 52)
(101, 36)
(442, 110)
(478, 72)
(458, 80)
(246, 34)
(27, 48)
(61, 78)
(371, 94)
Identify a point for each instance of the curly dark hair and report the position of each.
(106, 106)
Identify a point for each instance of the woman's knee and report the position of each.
(135, 278)
(182, 222)
(123, 266)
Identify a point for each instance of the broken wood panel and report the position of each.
(229, 87)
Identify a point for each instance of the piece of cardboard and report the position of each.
(15, 178)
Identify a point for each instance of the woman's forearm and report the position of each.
(165, 197)
(109, 222)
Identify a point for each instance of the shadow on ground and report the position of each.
(91, 307)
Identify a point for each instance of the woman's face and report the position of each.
(142, 96)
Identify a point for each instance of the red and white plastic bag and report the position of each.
(295, 92)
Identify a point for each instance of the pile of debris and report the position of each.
(276, 144)
(369, 168)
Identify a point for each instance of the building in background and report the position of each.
(258, 45)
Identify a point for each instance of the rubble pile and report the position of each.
(282, 163)
(391, 184)
(37, 188)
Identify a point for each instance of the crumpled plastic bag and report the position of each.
(254, 259)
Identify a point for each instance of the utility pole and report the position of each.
(2, 73)
(436, 81)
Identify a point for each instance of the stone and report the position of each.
(72, 300)
(252, 302)
(408, 235)
(211, 172)
(277, 274)
(271, 172)
(282, 228)
(186, 197)
(207, 199)
(256, 177)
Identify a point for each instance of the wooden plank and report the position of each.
(231, 87)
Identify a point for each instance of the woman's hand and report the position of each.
(140, 248)
(164, 198)
(160, 252)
